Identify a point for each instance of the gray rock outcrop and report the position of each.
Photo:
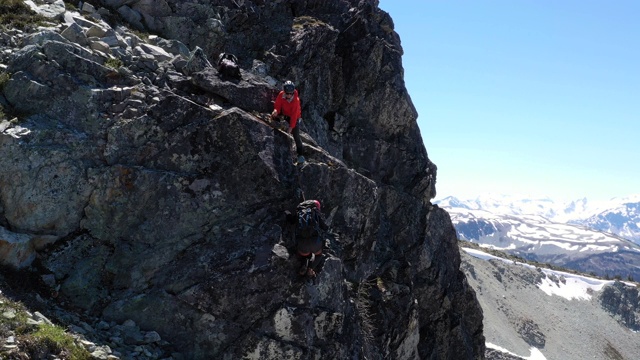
(153, 191)
(623, 303)
(530, 332)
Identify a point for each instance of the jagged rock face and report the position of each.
(345, 60)
(153, 192)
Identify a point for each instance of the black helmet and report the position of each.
(288, 87)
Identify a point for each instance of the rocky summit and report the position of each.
(143, 188)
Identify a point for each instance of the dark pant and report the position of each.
(307, 246)
(313, 262)
(296, 136)
(310, 253)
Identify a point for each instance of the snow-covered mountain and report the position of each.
(537, 238)
(619, 216)
(580, 235)
(509, 205)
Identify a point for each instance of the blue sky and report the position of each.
(531, 97)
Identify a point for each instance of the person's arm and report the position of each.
(277, 106)
(296, 113)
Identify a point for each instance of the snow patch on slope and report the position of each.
(535, 353)
(570, 286)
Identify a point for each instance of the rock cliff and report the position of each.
(147, 187)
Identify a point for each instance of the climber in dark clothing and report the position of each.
(309, 235)
(288, 104)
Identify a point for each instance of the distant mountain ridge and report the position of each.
(577, 235)
(622, 220)
(618, 216)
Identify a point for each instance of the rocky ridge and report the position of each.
(146, 191)
(533, 312)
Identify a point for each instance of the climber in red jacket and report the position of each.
(288, 104)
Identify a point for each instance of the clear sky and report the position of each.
(532, 97)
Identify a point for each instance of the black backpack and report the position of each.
(308, 220)
(228, 65)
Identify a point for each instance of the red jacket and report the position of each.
(290, 109)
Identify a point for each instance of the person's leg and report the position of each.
(304, 264)
(296, 136)
(304, 248)
(316, 261)
(317, 258)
